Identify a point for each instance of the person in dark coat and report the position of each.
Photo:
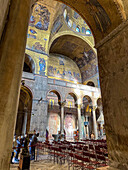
(33, 145)
(47, 133)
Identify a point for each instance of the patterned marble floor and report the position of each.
(42, 164)
(45, 165)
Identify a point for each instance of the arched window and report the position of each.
(74, 26)
(90, 83)
(77, 29)
(27, 68)
(88, 32)
(67, 18)
(29, 65)
(70, 23)
(76, 15)
(65, 13)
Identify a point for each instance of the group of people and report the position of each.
(22, 142)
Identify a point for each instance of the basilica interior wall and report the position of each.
(63, 68)
(55, 71)
(94, 79)
(40, 61)
(113, 69)
(39, 31)
(46, 110)
(68, 21)
(38, 47)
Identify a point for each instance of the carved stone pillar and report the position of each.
(25, 121)
(62, 117)
(101, 129)
(87, 130)
(12, 48)
(95, 123)
(101, 121)
(79, 121)
(113, 70)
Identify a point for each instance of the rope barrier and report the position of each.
(23, 146)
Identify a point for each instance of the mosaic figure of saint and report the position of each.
(63, 73)
(32, 21)
(42, 22)
(39, 24)
(58, 72)
(100, 16)
(33, 31)
(37, 46)
(42, 65)
(50, 70)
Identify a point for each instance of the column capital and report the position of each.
(79, 106)
(62, 104)
(94, 108)
(25, 108)
(100, 108)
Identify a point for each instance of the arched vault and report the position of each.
(101, 16)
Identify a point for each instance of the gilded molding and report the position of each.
(62, 104)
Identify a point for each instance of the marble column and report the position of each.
(101, 121)
(12, 49)
(62, 118)
(95, 124)
(79, 121)
(87, 130)
(39, 121)
(25, 121)
(101, 130)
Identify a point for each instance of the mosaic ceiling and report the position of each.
(102, 16)
(45, 20)
(79, 51)
(75, 22)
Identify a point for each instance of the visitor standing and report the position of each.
(47, 134)
(33, 145)
(18, 147)
(13, 149)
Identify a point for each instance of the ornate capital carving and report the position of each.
(62, 104)
(94, 107)
(79, 106)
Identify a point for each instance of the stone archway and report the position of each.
(71, 122)
(29, 65)
(117, 14)
(90, 83)
(24, 111)
(54, 102)
(80, 52)
(88, 117)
